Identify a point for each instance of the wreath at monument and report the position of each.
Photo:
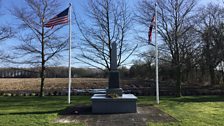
(113, 95)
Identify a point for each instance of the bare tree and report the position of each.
(108, 21)
(39, 46)
(211, 26)
(173, 23)
(5, 33)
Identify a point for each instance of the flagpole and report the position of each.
(69, 64)
(157, 72)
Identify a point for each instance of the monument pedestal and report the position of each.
(124, 104)
(114, 85)
(114, 101)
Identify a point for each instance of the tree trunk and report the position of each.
(212, 75)
(177, 52)
(178, 81)
(222, 77)
(42, 80)
(42, 75)
(177, 68)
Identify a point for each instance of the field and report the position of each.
(58, 86)
(35, 111)
(32, 85)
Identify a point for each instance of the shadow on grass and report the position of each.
(30, 113)
(199, 99)
(77, 110)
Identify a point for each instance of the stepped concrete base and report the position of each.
(124, 104)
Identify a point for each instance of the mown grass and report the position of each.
(35, 111)
(190, 110)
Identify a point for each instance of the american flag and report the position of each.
(150, 28)
(61, 18)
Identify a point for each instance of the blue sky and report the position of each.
(78, 6)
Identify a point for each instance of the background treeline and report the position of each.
(190, 76)
(58, 72)
(51, 72)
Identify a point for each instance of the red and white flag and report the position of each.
(150, 29)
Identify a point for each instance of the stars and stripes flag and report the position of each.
(150, 28)
(61, 18)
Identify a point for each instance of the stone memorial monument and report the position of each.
(114, 101)
(114, 89)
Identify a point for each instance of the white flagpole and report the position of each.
(157, 73)
(69, 64)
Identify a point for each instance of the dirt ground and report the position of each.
(83, 114)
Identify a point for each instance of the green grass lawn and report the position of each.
(191, 110)
(198, 110)
(34, 111)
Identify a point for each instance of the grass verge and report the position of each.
(36, 111)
